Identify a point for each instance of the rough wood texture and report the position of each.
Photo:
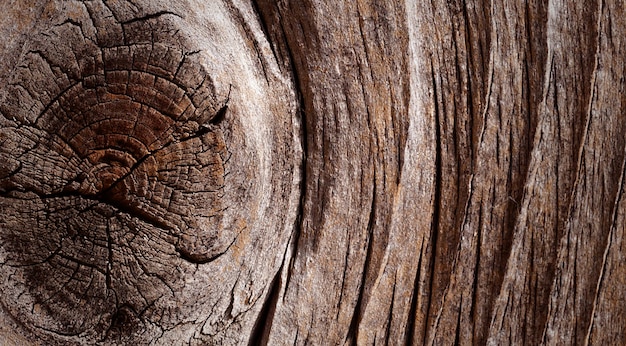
(312, 172)
(149, 180)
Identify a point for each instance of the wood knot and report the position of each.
(118, 177)
(149, 173)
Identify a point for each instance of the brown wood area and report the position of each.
(312, 172)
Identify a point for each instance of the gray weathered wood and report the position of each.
(312, 172)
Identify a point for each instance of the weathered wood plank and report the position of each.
(312, 172)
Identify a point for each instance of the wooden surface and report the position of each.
(312, 172)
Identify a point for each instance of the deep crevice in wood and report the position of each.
(263, 324)
(412, 317)
(151, 16)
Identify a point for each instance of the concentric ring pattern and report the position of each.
(113, 165)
